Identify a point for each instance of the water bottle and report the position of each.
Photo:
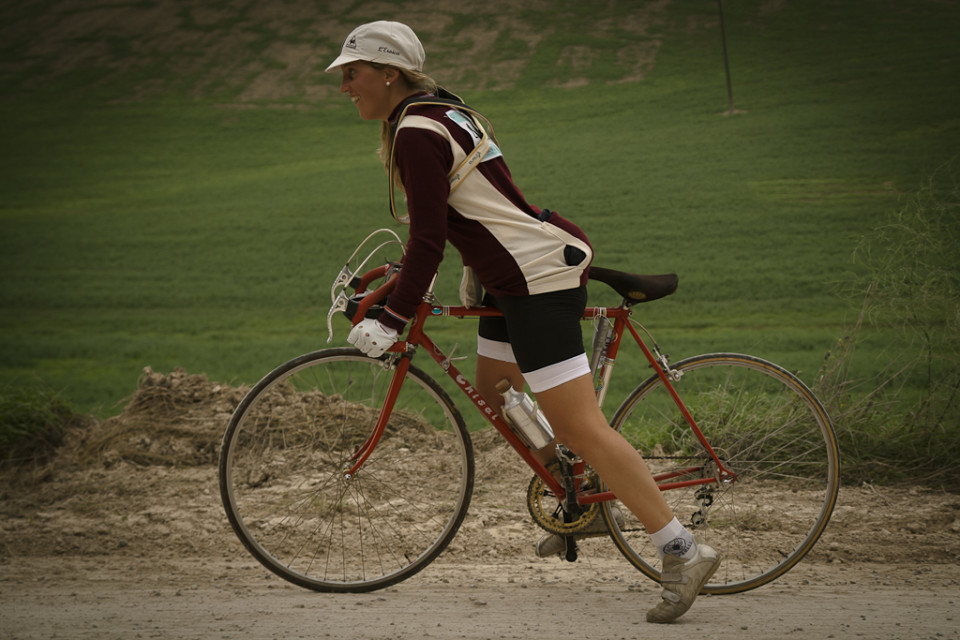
(522, 414)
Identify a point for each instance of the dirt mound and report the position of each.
(173, 420)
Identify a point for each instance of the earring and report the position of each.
(388, 83)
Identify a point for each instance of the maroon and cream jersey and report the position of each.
(515, 248)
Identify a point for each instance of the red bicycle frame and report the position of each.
(416, 337)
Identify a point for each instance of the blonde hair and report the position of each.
(414, 80)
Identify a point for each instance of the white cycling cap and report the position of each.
(383, 42)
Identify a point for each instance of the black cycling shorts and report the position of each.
(542, 333)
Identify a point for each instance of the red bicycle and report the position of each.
(345, 473)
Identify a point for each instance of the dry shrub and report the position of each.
(33, 424)
(901, 424)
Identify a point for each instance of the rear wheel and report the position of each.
(767, 427)
(284, 489)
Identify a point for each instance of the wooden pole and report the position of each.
(726, 60)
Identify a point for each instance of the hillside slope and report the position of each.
(277, 51)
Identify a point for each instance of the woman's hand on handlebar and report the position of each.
(371, 337)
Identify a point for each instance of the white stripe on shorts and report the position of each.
(554, 375)
(495, 349)
(548, 377)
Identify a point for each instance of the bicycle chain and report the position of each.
(547, 518)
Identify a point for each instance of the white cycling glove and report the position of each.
(371, 337)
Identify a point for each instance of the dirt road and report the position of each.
(123, 535)
(159, 597)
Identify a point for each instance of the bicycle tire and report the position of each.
(766, 426)
(282, 481)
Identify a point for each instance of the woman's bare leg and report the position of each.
(579, 424)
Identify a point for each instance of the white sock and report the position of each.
(674, 539)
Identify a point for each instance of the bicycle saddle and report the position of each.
(636, 288)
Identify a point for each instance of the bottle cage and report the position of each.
(471, 162)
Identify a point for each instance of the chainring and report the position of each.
(547, 513)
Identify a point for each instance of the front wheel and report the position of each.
(766, 427)
(284, 487)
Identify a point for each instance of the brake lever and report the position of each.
(340, 304)
(342, 280)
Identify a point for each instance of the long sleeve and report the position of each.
(424, 160)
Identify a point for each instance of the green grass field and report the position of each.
(159, 212)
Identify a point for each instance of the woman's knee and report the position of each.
(582, 436)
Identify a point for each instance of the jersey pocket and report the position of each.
(573, 256)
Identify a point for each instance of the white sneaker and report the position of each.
(682, 581)
(551, 544)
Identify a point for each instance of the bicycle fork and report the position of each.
(393, 391)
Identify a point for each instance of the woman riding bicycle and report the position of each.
(532, 263)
